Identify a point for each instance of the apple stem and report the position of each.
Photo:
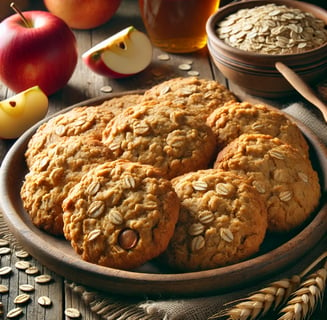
(26, 22)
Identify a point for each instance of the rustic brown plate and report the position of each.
(153, 280)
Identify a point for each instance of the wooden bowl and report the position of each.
(153, 279)
(255, 73)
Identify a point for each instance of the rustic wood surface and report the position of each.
(83, 85)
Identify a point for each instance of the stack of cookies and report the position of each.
(183, 171)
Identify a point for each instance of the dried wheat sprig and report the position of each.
(307, 297)
(267, 299)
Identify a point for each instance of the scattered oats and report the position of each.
(32, 270)
(106, 89)
(4, 242)
(224, 189)
(193, 73)
(163, 57)
(22, 254)
(164, 90)
(197, 243)
(276, 154)
(285, 196)
(206, 217)
(4, 250)
(43, 278)
(96, 209)
(44, 301)
(5, 270)
(226, 234)
(13, 313)
(22, 298)
(3, 288)
(196, 229)
(72, 313)
(199, 185)
(141, 128)
(93, 234)
(22, 265)
(60, 130)
(184, 67)
(26, 287)
(259, 187)
(257, 126)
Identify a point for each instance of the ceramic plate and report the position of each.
(151, 280)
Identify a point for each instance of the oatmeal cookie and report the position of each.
(200, 96)
(87, 121)
(282, 175)
(161, 135)
(121, 214)
(236, 118)
(222, 221)
(53, 173)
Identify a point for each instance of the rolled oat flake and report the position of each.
(72, 313)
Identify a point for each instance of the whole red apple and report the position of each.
(83, 14)
(42, 51)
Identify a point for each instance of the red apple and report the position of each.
(40, 51)
(83, 14)
(124, 54)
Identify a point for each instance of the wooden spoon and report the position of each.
(301, 87)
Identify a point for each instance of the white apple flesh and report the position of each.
(22, 111)
(126, 53)
(43, 53)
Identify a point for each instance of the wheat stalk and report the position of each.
(274, 296)
(307, 297)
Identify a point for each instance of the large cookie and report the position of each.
(87, 121)
(200, 96)
(236, 118)
(121, 214)
(280, 172)
(222, 220)
(53, 173)
(159, 134)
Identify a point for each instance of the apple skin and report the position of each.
(44, 55)
(124, 54)
(21, 111)
(83, 14)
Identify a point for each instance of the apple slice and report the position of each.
(21, 111)
(126, 53)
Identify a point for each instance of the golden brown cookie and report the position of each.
(200, 96)
(88, 121)
(121, 214)
(283, 176)
(55, 171)
(236, 118)
(222, 220)
(159, 134)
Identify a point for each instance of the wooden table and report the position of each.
(85, 84)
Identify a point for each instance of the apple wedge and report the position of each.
(21, 111)
(126, 53)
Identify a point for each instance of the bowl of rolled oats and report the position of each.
(247, 38)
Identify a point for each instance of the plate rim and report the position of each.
(154, 284)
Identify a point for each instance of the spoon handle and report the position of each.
(301, 87)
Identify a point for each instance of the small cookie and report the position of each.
(222, 220)
(200, 96)
(283, 176)
(161, 135)
(121, 214)
(54, 172)
(236, 118)
(80, 121)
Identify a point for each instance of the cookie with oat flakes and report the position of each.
(121, 214)
(236, 118)
(87, 121)
(282, 175)
(200, 96)
(54, 172)
(159, 134)
(222, 221)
